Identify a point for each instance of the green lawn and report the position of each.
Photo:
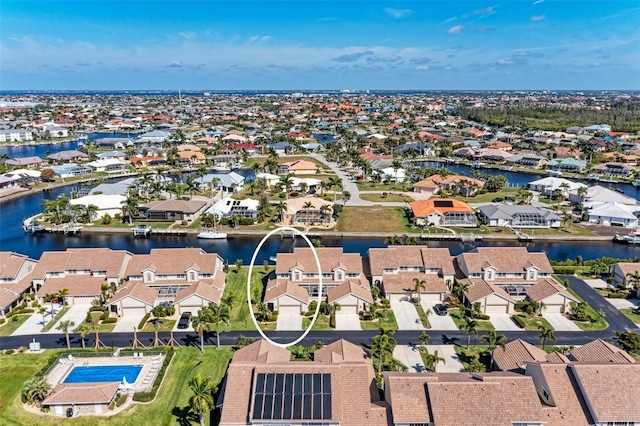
(371, 186)
(102, 328)
(470, 357)
(10, 326)
(487, 197)
(597, 325)
(388, 322)
(632, 314)
(423, 315)
(165, 325)
(456, 316)
(322, 323)
(385, 198)
(378, 219)
(237, 287)
(533, 323)
(170, 406)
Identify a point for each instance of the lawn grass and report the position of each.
(457, 318)
(240, 318)
(386, 197)
(371, 186)
(322, 323)
(169, 407)
(533, 323)
(632, 314)
(423, 315)
(597, 325)
(471, 355)
(374, 219)
(388, 322)
(12, 325)
(487, 197)
(165, 325)
(48, 326)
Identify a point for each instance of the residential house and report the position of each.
(443, 212)
(623, 272)
(153, 161)
(228, 182)
(308, 211)
(296, 281)
(614, 214)
(415, 149)
(227, 207)
(567, 165)
(613, 169)
(156, 136)
(262, 386)
(16, 271)
(600, 194)
(191, 158)
(28, 162)
(550, 184)
(517, 353)
(112, 143)
(458, 184)
(282, 148)
(599, 351)
(15, 135)
(83, 398)
(499, 276)
(298, 167)
(171, 210)
(527, 160)
(110, 204)
(394, 269)
(518, 216)
(82, 271)
(68, 156)
(489, 154)
(188, 278)
(108, 165)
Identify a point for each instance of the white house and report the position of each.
(613, 214)
(107, 204)
(549, 184)
(227, 207)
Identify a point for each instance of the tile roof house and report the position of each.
(337, 388)
(172, 210)
(82, 271)
(499, 276)
(296, 281)
(518, 352)
(394, 269)
(298, 167)
(27, 162)
(188, 278)
(437, 184)
(308, 211)
(622, 273)
(443, 212)
(518, 216)
(600, 351)
(16, 272)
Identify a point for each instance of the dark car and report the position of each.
(440, 309)
(497, 200)
(183, 322)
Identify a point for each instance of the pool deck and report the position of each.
(151, 364)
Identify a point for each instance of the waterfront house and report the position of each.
(69, 156)
(157, 136)
(528, 160)
(110, 204)
(227, 207)
(82, 271)
(497, 277)
(394, 269)
(188, 278)
(191, 158)
(613, 214)
(298, 167)
(153, 161)
(613, 169)
(458, 184)
(171, 210)
(263, 386)
(567, 165)
(15, 135)
(622, 273)
(70, 170)
(112, 143)
(308, 211)
(109, 165)
(16, 272)
(443, 212)
(28, 162)
(282, 148)
(518, 216)
(550, 184)
(228, 182)
(295, 282)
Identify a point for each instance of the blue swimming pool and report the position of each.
(103, 373)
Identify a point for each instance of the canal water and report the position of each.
(48, 149)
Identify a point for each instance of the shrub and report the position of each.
(9, 352)
(112, 405)
(121, 399)
(106, 219)
(519, 320)
(144, 320)
(110, 320)
(2, 320)
(332, 321)
(97, 308)
(149, 396)
(273, 317)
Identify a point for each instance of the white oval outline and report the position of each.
(253, 259)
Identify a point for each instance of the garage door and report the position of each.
(432, 297)
(348, 309)
(497, 309)
(554, 309)
(289, 309)
(186, 308)
(82, 300)
(131, 311)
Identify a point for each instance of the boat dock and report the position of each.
(450, 236)
(146, 230)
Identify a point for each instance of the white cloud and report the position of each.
(398, 13)
(538, 1)
(456, 29)
(481, 12)
(422, 67)
(538, 18)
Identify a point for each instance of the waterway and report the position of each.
(47, 149)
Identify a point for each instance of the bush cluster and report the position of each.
(144, 320)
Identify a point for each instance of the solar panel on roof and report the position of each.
(292, 396)
(443, 203)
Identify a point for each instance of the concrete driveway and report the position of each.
(504, 322)
(623, 303)
(560, 322)
(76, 313)
(596, 283)
(438, 322)
(34, 324)
(126, 323)
(347, 322)
(406, 314)
(451, 364)
(409, 356)
(292, 322)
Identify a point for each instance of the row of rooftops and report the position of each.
(595, 384)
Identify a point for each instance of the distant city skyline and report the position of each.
(358, 45)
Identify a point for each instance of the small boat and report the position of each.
(632, 237)
(449, 160)
(212, 234)
(221, 169)
(593, 177)
(478, 165)
(555, 173)
(636, 183)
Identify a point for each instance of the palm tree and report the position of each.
(396, 165)
(201, 323)
(424, 341)
(582, 192)
(201, 401)
(192, 186)
(129, 208)
(431, 361)
(418, 285)
(546, 333)
(42, 311)
(324, 211)
(106, 291)
(493, 341)
(469, 327)
(346, 196)
(219, 313)
(634, 279)
(281, 208)
(83, 330)
(286, 182)
(64, 326)
(62, 294)
(336, 183)
(35, 390)
(382, 346)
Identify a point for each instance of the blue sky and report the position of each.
(209, 45)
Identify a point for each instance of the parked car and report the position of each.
(183, 322)
(440, 309)
(497, 200)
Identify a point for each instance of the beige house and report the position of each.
(497, 277)
(298, 167)
(296, 281)
(16, 272)
(188, 278)
(84, 398)
(308, 211)
(395, 268)
(82, 271)
(437, 184)
(622, 273)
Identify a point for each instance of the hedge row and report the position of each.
(144, 320)
(20, 311)
(110, 320)
(519, 320)
(149, 396)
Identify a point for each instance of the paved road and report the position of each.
(617, 321)
(403, 337)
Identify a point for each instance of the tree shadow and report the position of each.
(184, 416)
(450, 340)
